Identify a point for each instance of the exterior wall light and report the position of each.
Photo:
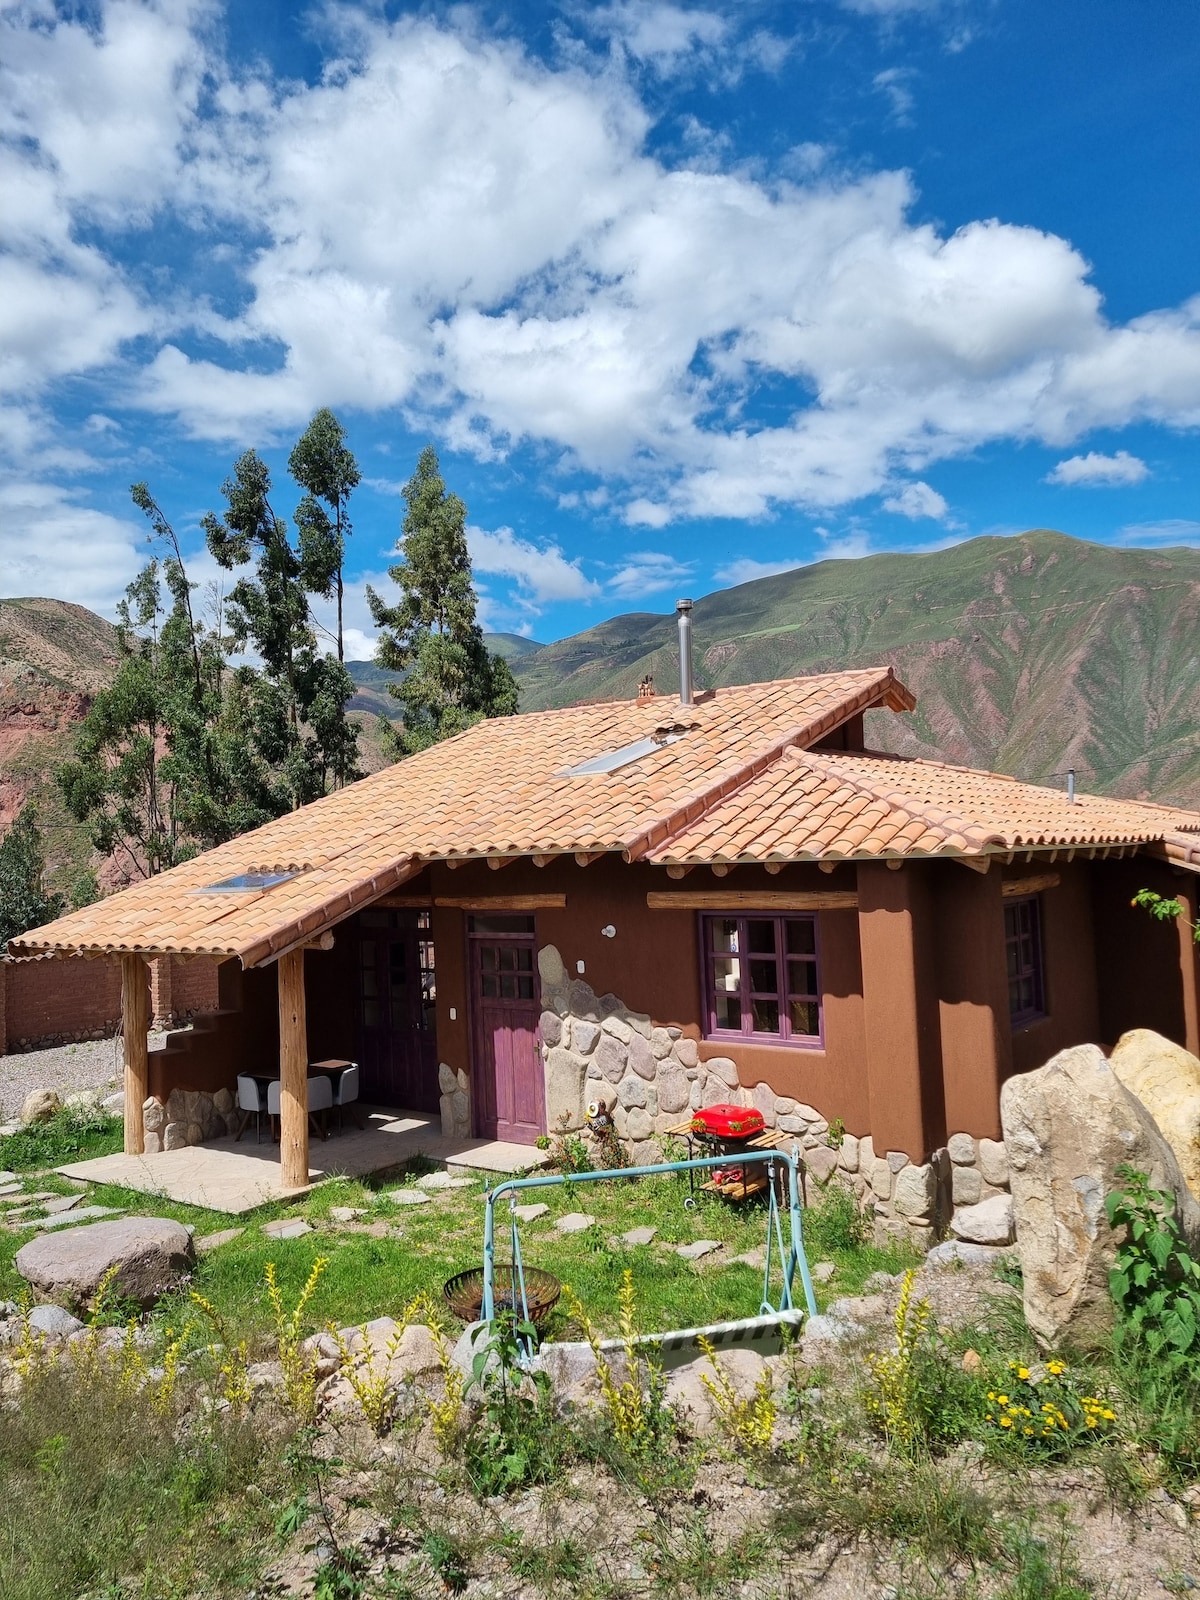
(608, 933)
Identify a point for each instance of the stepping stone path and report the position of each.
(530, 1213)
(346, 1213)
(409, 1197)
(70, 1218)
(752, 1258)
(8, 1177)
(62, 1202)
(697, 1249)
(823, 1271)
(443, 1180)
(214, 1241)
(287, 1228)
(637, 1236)
(575, 1222)
(9, 1188)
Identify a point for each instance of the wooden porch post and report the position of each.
(135, 1021)
(293, 1072)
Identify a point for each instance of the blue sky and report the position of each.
(682, 294)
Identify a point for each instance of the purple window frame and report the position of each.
(1024, 959)
(781, 993)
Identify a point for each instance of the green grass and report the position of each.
(69, 1135)
(369, 1277)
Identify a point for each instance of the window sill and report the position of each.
(766, 1041)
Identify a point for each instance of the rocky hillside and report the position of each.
(53, 657)
(1027, 655)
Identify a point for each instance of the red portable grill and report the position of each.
(726, 1129)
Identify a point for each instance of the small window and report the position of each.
(1023, 955)
(761, 978)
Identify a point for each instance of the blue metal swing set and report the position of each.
(765, 1330)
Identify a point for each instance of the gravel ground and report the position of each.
(64, 1067)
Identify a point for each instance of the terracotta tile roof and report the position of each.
(834, 805)
(501, 788)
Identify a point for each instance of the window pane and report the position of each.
(488, 985)
(805, 1017)
(766, 1016)
(525, 986)
(764, 977)
(760, 935)
(524, 959)
(728, 1011)
(802, 937)
(727, 974)
(723, 934)
(802, 977)
(508, 958)
(508, 987)
(487, 957)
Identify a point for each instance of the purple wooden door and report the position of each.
(509, 1091)
(397, 1010)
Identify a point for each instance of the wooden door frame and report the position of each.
(474, 1009)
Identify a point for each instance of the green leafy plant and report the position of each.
(836, 1136)
(1154, 1279)
(506, 1447)
(1165, 910)
(73, 1134)
(446, 1557)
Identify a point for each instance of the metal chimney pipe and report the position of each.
(683, 610)
(1070, 786)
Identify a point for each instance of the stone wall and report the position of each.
(189, 1116)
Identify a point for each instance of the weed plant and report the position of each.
(103, 1493)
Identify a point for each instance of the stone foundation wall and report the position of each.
(920, 1202)
(189, 1116)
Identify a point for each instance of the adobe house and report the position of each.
(667, 902)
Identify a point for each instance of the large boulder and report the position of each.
(1067, 1128)
(1166, 1079)
(39, 1106)
(151, 1254)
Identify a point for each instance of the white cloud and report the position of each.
(746, 569)
(563, 288)
(1096, 471)
(896, 84)
(51, 545)
(656, 32)
(916, 500)
(541, 573)
(1169, 531)
(647, 572)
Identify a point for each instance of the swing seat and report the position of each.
(764, 1334)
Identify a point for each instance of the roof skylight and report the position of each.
(624, 755)
(244, 882)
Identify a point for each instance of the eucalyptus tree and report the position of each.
(449, 678)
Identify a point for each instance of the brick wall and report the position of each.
(48, 1000)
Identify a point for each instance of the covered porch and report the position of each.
(235, 1177)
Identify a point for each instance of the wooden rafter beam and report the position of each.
(753, 900)
(1011, 888)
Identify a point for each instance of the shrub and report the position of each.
(836, 1222)
(1154, 1280)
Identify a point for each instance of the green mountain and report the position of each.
(371, 681)
(1027, 655)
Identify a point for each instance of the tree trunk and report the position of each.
(293, 1072)
(135, 1022)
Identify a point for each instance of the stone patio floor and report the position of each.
(235, 1177)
